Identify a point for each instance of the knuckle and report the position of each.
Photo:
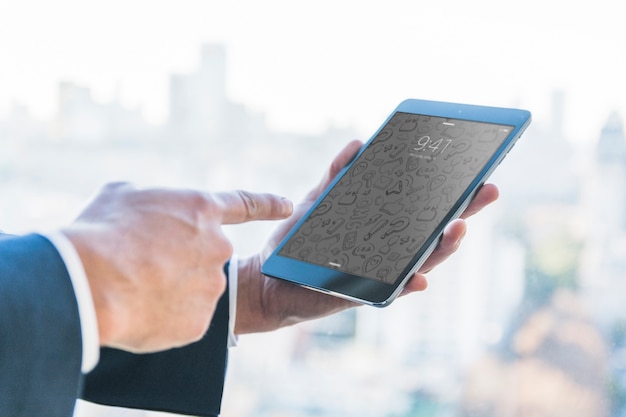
(215, 254)
(218, 285)
(224, 249)
(116, 186)
(212, 288)
(202, 207)
(202, 202)
(250, 204)
(199, 327)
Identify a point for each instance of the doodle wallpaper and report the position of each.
(377, 216)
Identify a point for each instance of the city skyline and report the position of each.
(119, 83)
(470, 318)
(87, 98)
(307, 67)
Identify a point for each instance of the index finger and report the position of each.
(243, 206)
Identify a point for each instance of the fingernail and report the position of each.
(459, 241)
(286, 207)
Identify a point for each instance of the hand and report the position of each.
(154, 259)
(264, 303)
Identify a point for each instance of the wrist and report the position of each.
(108, 320)
(249, 311)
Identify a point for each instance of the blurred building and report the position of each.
(408, 359)
(200, 111)
(81, 119)
(198, 100)
(605, 247)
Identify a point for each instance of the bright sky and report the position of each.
(307, 64)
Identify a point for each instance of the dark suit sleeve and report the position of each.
(187, 380)
(40, 339)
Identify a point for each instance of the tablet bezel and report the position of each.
(369, 291)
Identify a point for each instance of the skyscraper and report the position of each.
(198, 100)
(605, 252)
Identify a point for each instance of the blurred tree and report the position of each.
(556, 366)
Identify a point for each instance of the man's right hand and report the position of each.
(154, 259)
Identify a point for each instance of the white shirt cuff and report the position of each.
(86, 308)
(232, 300)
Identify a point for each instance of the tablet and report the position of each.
(383, 215)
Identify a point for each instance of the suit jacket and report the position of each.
(41, 348)
(40, 338)
(187, 380)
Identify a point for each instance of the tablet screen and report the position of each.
(373, 222)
